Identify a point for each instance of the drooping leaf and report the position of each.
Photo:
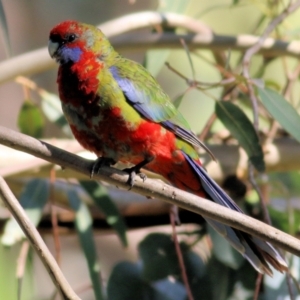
(126, 282)
(51, 107)
(33, 199)
(224, 252)
(235, 120)
(160, 260)
(179, 99)
(281, 110)
(30, 119)
(83, 223)
(101, 198)
(172, 6)
(157, 251)
(221, 280)
(155, 59)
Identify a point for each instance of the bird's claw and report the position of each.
(132, 173)
(99, 163)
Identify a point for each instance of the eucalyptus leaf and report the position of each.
(157, 251)
(51, 107)
(126, 282)
(101, 198)
(33, 199)
(83, 223)
(31, 120)
(160, 260)
(222, 250)
(179, 99)
(281, 110)
(155, 59)
(236, 121)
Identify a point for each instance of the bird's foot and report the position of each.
(132, 172)
(101, 162)
(136, 170)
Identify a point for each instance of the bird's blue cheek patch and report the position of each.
(70, 54)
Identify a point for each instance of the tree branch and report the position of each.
(38, 61)
(151, 188)
(37, 242)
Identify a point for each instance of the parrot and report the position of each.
(117, 110)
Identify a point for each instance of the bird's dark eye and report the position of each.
(70, 38)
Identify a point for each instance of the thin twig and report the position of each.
(289, 284)
(37, 242)
(254, 184)
(255, 48)
(151, 188)
(179, 254)
(54, 220)
(257, 286)
(21, 263)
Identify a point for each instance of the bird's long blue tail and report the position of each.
(259, 253)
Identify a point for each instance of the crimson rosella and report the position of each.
(117, 110)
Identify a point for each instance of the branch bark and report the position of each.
(37, 242)
(151, 188)
(38, 61)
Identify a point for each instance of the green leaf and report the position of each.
(30, 120)
(281, 110)
(179, 99)
(126, 282)
(158, 254)
(101, 198)
(224, 252)
(160, 259)
(172, 6)
(223, 286)
(83, 223)
(51, 107)
(33, 199)
(155, 60)
(235, 120)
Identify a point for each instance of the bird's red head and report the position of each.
(70, 39)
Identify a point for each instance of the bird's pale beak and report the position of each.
(52, 48)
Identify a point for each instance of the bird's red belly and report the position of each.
(110, 135)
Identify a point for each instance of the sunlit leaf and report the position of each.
(223, 251)
(101, 198)
(281, 110)
(51, 107)
(33, 199)
(235, 120)
(84, 223)
(179, 99)
(172, 5)
(30, 120)
(155, 59)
